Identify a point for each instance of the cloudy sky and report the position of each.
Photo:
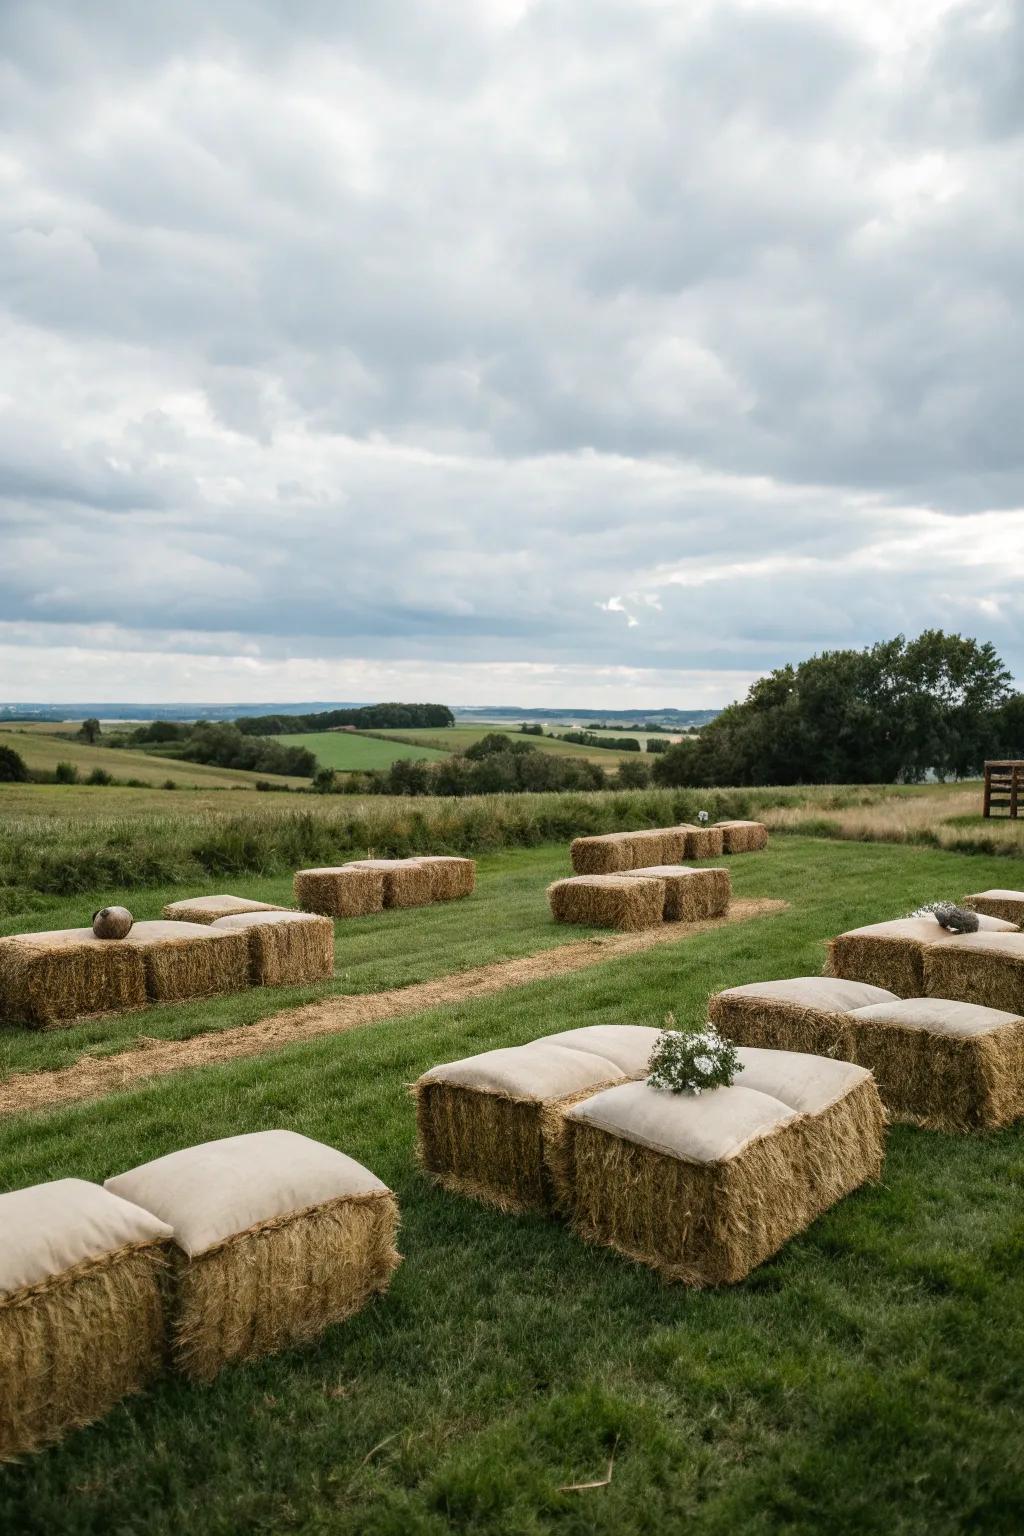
(598, 352)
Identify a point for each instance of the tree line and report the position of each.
(365, 717)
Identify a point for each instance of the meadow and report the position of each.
(350, 752)
(457, 738)
(41, 748)
(866, 1380)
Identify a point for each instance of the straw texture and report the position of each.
(74, 1345)
(712, 1223)
(348, 890)
(984, 968)
(285, 948)
(407, 882)
(613, 852)
(691, 895)
(207, 909)
(1009, 905)
(49, 979)
(704, 843)
(743, 836)
(282, 1283)
(892, 955)
(608, 901)
(450, 878)
(186, 960)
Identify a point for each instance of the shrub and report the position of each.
(12, 767)
(65, 773)
(100, 776)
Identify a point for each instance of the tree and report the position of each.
(89, 730)
(12, 767)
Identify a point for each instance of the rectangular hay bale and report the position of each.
(811, 1014)
(188, 960)
(345, 890)
(50, 979)
(985, 968)
(892, 954)
(1009, 905)
(625, 902)
(407, 882)
(613, 852)
(691, 895)
(704, 843)
(743, 836)
(207, 909)
(451, 878)
(285, 948)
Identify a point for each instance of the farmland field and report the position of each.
(457, 738)
(347, 752)
(41, 749)
(511, 1363)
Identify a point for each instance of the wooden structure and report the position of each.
(1004, 787)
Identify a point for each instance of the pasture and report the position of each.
(458, 737)
(510, 1364)
(348, 752)
(42, 747)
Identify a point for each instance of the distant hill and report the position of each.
(672, 719)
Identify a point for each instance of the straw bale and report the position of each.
(450, 878)
(985, 968)
(277, 1237)
(187, 960)
(805, 1013)
(613, 852)
(347, 890)
(704, 843)
(941, 1064)
(285, 948)
(81, 1309)
(1009, 905)
(743, 836)
(891, 955)
(407, 882)
(691, 895)
(608, 901)
(207, 909)
(712, 1215)
(49, 979)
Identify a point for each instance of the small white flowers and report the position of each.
(688, 1061)
(703, 817)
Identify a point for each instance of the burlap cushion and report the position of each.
(807, 1083)
(271, 918)
(626, 1046)
(824, 994)
(220, 1188)
(937, 1016)
(710, 1128)
(218, 906)
(997, 894)
(925, 930)
(49, 1228)
(536, 1072)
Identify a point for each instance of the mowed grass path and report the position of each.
(868, 1380)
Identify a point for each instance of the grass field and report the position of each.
(458, 737)
(870, 1379)
(347, 752)
(42, 751)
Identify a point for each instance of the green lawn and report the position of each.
(870, 1379)
(346, 752)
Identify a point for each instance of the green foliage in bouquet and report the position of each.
(688, 1061)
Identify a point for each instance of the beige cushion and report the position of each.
(386, 864)
(220, 906)
(827, 994)
(532, 1073)
(807, 1083)
(997, 894)
(626, 1046)
(925, 930)
(162, 932)
(707, 1128)
(273, 919)
(220, 1188)
(938, 1016)
(987, 942)
(49, 1228)
(655, 870)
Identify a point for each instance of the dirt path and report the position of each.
(94, 1077)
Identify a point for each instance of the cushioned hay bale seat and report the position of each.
(612, 852)
(490, 1126)
(275, 1238)
(343, 890)
(985, 968)
(704, 1188)
(891, 955)
(743, 836)
(704, 843)
(50, 979)
(407, 882)
(285, 948)
(451, 878)
(81, 1308)
(609, 901)
(187, 960)
(804, 1013)
(691, 895)
(1009, 905)
(941, 1064)
(207, 909)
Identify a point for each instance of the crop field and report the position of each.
(347, 752)
(457, 738)
(41, 749)
(515, 1382)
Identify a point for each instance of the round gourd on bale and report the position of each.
(112, 923)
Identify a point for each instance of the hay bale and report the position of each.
(49, 979)
(285, 948)
(942, 1064)
(346, 890)
(703, 842)
(450, 878)
(805, 1013)
(407, 882)
(703, 1189)
(891, 955)
(81, 1308)
(608, 901)
(691, 895)
(276, 1237)
(1009, 905)
(743, 836)
(207, 909)
(985, 968)
(491, 1126)
(614, 852)
(187, 960)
